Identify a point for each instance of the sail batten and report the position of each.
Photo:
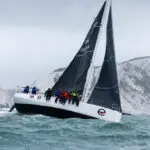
(74, 77)
(106, 90)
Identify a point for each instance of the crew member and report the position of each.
(57, 94)
(34, 90)
(26, 89)
(48, 94)
(63, 97)
(75, 99)
(68, 97)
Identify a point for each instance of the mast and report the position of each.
(91, 69)
(74, 76)
(106, 91)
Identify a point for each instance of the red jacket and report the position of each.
(68, 96)
(63, 94)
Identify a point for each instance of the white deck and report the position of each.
(83, 108)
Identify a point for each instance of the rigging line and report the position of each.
(89, 59)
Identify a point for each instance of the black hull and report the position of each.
(49, 111)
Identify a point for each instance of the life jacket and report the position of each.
(68, 96)
(48, 93)
(62, 94)
(26, 89)
(57, 93)
(65, 94)
(74, 94)
(34, 90)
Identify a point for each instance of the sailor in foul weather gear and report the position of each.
(34, 90)
(57, 94)
(48, 94)
(75, 99)
(68, 97)
(63, 95)
(26, 89)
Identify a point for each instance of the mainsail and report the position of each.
(106, 91)
(74, 77)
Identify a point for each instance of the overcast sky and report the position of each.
(38, 36)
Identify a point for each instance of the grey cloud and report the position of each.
(38, 36)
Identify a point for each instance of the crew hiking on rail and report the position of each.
(48, 94)
(64, 96)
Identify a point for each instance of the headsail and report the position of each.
(106, 91)
(74, 76)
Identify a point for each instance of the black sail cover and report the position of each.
(106, 91)
(74, 76)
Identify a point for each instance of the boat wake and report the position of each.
(5, 112)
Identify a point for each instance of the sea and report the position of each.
(37, 132)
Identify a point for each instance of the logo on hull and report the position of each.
(31, 96)
(101, 112)
(38, 97)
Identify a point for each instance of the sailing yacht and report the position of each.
(104, 101)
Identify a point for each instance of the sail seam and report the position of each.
(107, 88)
(84, 53)
(109, 58)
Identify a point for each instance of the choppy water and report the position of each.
(22, 132)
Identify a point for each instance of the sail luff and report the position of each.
(115, 54)
(74, 76)
(91, 68)
(106, 91)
